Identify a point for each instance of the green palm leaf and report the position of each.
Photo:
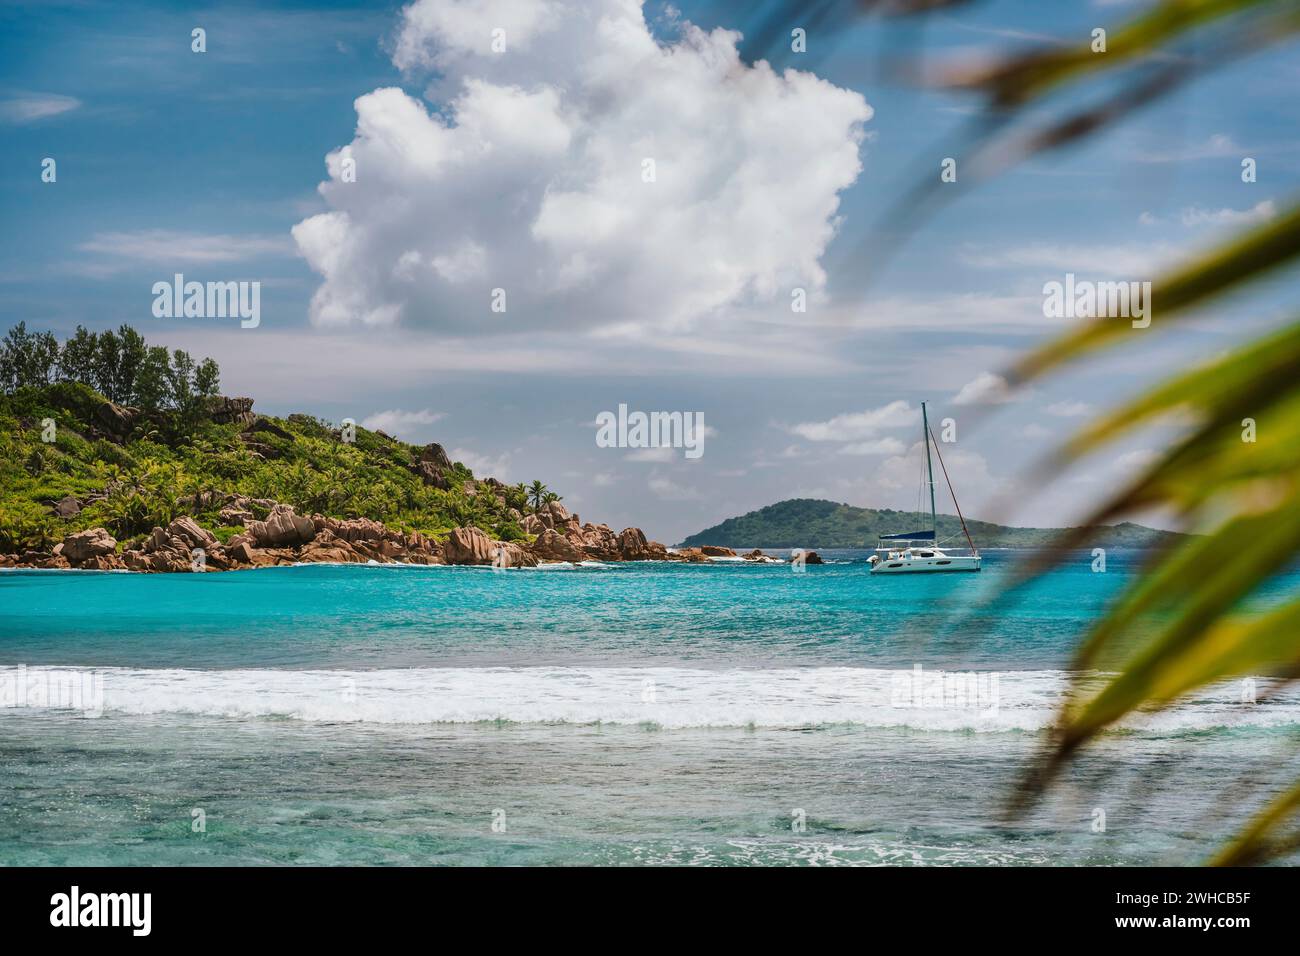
(1193, 618)
(1260, 841)
(1020, 80)
(1258, 251)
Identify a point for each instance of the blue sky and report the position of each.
(172, 161)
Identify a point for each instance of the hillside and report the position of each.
(118, 455)
(130, 471)
(814, 523)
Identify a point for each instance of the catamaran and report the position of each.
(918, 551)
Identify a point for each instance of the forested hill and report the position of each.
(104, 430)
(814, 523)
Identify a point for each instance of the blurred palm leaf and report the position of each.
(1259, 251)
(1018, 81)
(1194, 617)
(1154, 55)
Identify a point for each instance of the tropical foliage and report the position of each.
(175, 451)
(1201, 613)
(537, 495)
(120, 365)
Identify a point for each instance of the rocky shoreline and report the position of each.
(285, 537)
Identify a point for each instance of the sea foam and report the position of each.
(667, 697)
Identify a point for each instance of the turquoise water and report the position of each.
(637, 713)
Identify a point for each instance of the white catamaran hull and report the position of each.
(906, 563)
(915, 552)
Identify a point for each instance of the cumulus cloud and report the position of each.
(439, 34)
(483, 466)
(986, 388)
(530, 178)
(400, 422)
(858, 426)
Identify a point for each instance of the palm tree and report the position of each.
(1234, 474)
(537, 493)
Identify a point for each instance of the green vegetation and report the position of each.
(1195, 617)
(119, 365)
(138, 467)
(815, 523)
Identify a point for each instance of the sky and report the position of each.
(527, 169)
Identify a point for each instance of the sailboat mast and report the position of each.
(929, 472)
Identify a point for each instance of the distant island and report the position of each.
(816, 523)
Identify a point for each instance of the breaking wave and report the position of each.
(666, 697)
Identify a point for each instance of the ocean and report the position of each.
(640, 713)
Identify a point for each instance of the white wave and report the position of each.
(670, 697)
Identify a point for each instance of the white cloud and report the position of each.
(969, 472)
(986, 388)
(968, 311)
(1197, 216)
(530, 177)
(669, 490)
(1069, 409)
(878, 446)
(28, 107)
(164, 245)
(652, 454)
(1217, 146)
(483, 466)
(858, 426)
(1109, 259)
(276, 369)
(401, 423)
(439, 34)
(1193, 217)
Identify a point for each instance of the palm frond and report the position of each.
(1249, 256)
(1259, 840)
(1022, 79)
(1194, 616)
(1145, 49)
